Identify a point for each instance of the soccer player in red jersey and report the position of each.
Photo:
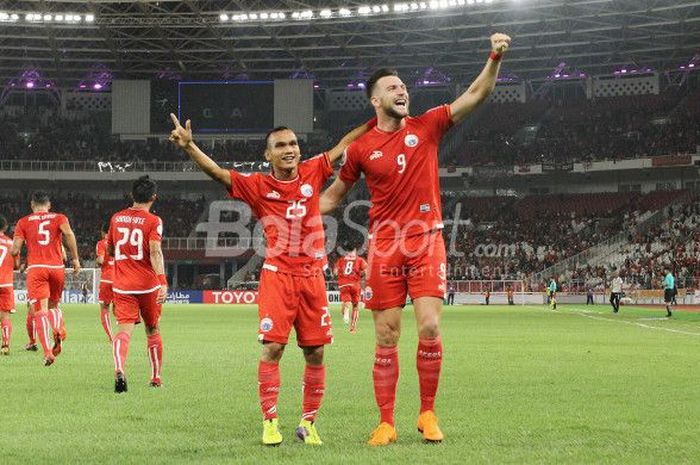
(7, 294)
(106, 263)
(42, 233)
(139, 283)
(350, 269)
(292, 290)
(406, 251)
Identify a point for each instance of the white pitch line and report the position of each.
(588, 314)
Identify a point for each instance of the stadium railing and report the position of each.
(203, 243)
(120, 166)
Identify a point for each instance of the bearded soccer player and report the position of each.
(42, 233)
(106, 264)
(406, 251)
(350, 269)
(7, 294)
(139, 283)
(292, 290)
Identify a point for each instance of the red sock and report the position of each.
(120, 349)
(31, 328)
(428, 363)
(268, 388)
(314, 387)
(6, 331)
(106, 323)
(56, 319)
(386, 377)
(41, 321)
(155, 354)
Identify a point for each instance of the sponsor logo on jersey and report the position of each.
(425, 207)
(411, 140)
(368, 293)
(266, 325)
(376, 155)
(307, 190)
(273, 195)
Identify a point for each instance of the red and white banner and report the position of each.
(230, 297)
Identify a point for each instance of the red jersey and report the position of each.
(7, 261)
(401, 169)
(107, 268)
(290, 214)
(130, 231)
(42, 235)
(349, 269)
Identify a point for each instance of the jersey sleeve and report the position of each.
(244, 186)
(109, 241)
(437, 121)
(350, 167)
(156, 232)
(363, 265)
(19, 230)
(321, 166)
(61, 220)
(100, 249)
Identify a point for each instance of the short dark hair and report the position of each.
(3, 223)
(143, 189)
(105, 226)
(274, 130)
(40, 198)
(378, 74)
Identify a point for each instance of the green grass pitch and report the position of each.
(519, 385)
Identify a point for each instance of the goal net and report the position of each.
(499, 292)
(82, 288)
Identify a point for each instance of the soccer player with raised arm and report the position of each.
(406, 250)
(350, 270)
(139, 283)
(8, 264)
(105, 296)
(292, 290)
(42, 232)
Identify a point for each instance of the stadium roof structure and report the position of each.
(336, 42)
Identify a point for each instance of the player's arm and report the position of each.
(331, 197)
(182, 137)
(336, 152)
(17, 244)
(100, 258)
(69, 238)
(158, 265)
(484, 84)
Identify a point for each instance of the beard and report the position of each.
(390, 111)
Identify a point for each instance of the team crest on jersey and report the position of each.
(376, 154)
(368, 293)
(273, 195)
(266, 325)
(307, 190)
(411, 140)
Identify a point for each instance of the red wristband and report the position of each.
(495, 56)
(162, 279)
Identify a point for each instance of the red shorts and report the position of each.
(106, 295)
(7, 299)
(414, 265)
(285, 300)
(350, 293)
(131, 308)
(45, 283)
